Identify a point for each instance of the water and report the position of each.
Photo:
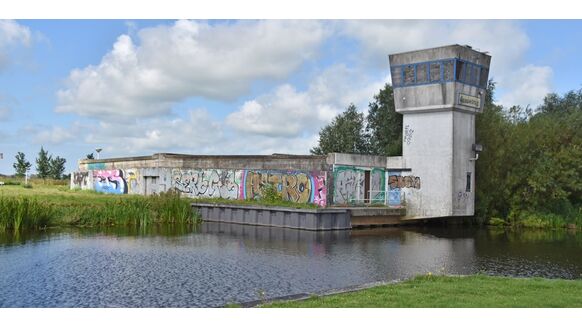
(216, 264)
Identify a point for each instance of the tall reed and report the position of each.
(25, 212)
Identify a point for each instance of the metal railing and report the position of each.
(377, 199)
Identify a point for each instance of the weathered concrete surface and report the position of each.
(254, 162)
(356, 160)
(304, 296)
(376, 216)
(439, 132)
(306, 219)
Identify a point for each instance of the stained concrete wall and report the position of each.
(428, 151)
(438, 135)
(294, 186)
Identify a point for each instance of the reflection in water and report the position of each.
(217, 263)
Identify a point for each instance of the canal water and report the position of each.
(215, 264)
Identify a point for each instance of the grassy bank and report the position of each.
(475, 291)
(53, 205)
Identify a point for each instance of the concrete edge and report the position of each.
(279, 226)
(304, 296)
(271, 208)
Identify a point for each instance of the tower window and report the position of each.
(468, 187)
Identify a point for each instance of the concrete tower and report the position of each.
(439, 91)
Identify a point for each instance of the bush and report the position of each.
(496, 222)
(269, 193)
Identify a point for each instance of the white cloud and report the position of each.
(54, 135)
(506, 41)
(286, 112)
(196, 133)
(188, 59)
(11, 34)
(527, 86)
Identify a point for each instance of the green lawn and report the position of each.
(476, 291)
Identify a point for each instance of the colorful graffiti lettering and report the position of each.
(377, 188)
(394, 190)
(296, 187)
(409, 181)
(207, 183)
(132, 179)
(80, 179)
(348, 185)
(110, 181)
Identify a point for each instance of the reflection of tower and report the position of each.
(438, 91)
(98, 150)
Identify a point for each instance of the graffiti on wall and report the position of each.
(348, 184)
(377, 186)
(393, 189)
(298, 187)
(80, 179)
(133, 181)
(96, 166)
(408, 181)
(110, 181)
(207, 183)
(295, 186)
(408, 131)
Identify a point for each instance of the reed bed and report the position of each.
(24, 213)
(36, 212)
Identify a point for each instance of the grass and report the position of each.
(51, 204)
(476, 291)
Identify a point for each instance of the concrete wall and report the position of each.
(349, 185)
(427, 149)
(463, 139)
(295, 186)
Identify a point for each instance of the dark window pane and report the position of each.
(468, 186)
(435, 72)
(449, 68)
(483, 78)
(409, 75)
(461, 68)
(396, 76)
(475, 75)
(421, 76)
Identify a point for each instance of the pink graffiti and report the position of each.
(320, 191)
(110, 181)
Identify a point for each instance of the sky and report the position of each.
(139, 87)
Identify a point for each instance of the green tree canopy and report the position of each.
(43, 164)
(21, 165)
(57, 167)
(345, 134)
(532, 160)
(384, 126)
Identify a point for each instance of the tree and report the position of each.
(90, 156)
(345, 134)
(384, 126)
(57, 167)
(43, 164)
(21, 165)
